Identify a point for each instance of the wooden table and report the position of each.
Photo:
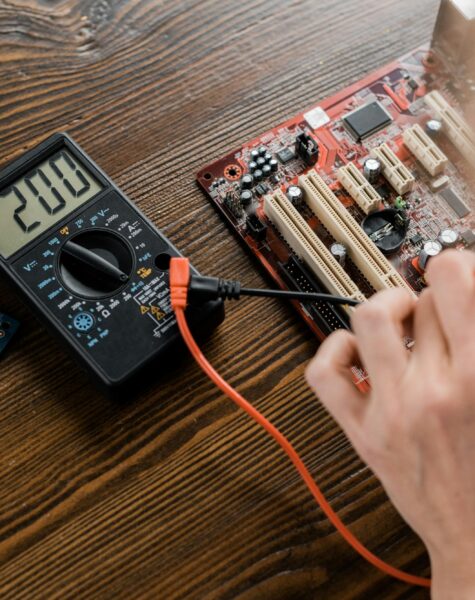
(175, 494)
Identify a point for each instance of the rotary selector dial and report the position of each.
(95, 264)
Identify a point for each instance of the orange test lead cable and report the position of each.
(179, 281)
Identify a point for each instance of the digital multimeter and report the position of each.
(89, 263)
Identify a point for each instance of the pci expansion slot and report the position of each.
(425, 150)
(308, 246)
(343, 227)
(394, 170)
(360, 189)
(456, 128)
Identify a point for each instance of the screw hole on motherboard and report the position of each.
(232, 172)
(207, 176)
(162, 261)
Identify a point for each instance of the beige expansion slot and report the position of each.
(425, 150)
(457, 129)
(394, 170)
(360, 189)
(343, 227)
(308, 246)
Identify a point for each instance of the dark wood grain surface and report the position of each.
(176, 494)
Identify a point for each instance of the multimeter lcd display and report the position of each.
(41, 198)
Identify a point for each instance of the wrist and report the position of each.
(453, 579)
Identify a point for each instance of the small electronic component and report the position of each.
(372, 169)
(261, 189)
(246, 197)
(468, 237)
(455, 202)
(256, 228)
(258, 175)
(400, 203)
(416, 239)
(8, 328)
(285, 155)
(366, 120)
(307, 149)
(339, 252)
(433, 127)
(247, 181)
(412, 83)
(439, 183)
(387, 229)
(266, 170)
(430, 249)
(295, 194)
(232, 202)
(448, 238)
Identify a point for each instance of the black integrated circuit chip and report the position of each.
(365, 121)
(455, 202)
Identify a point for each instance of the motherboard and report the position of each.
(357, 193)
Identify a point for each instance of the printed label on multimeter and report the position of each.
(8, 328)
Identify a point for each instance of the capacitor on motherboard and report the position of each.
(246, 197)
(267, 157)
(448, 238)
(266, 170)
(254, 154)
(372, 169)
(339, 252)
(295, 194)
(430, 249)
(261, 161)
(252, 166)
(247, 181)
(262, 150)
(258, 175)
(433, 127)
(273, 164)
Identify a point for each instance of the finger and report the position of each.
(431, 348)
(329, 375)
(379, 326)
(451, 276)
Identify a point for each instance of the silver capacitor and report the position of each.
(433, 127)
(448, 238)
(295, 194)
(429, 250)
(339, 252)
(372, 169)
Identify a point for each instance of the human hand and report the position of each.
(416, 427)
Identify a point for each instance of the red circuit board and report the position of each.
(399, 88)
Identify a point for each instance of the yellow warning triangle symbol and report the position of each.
(144, 309)
(157, 312)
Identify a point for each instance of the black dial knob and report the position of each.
(95, 264)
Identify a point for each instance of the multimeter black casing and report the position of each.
(122, 337)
